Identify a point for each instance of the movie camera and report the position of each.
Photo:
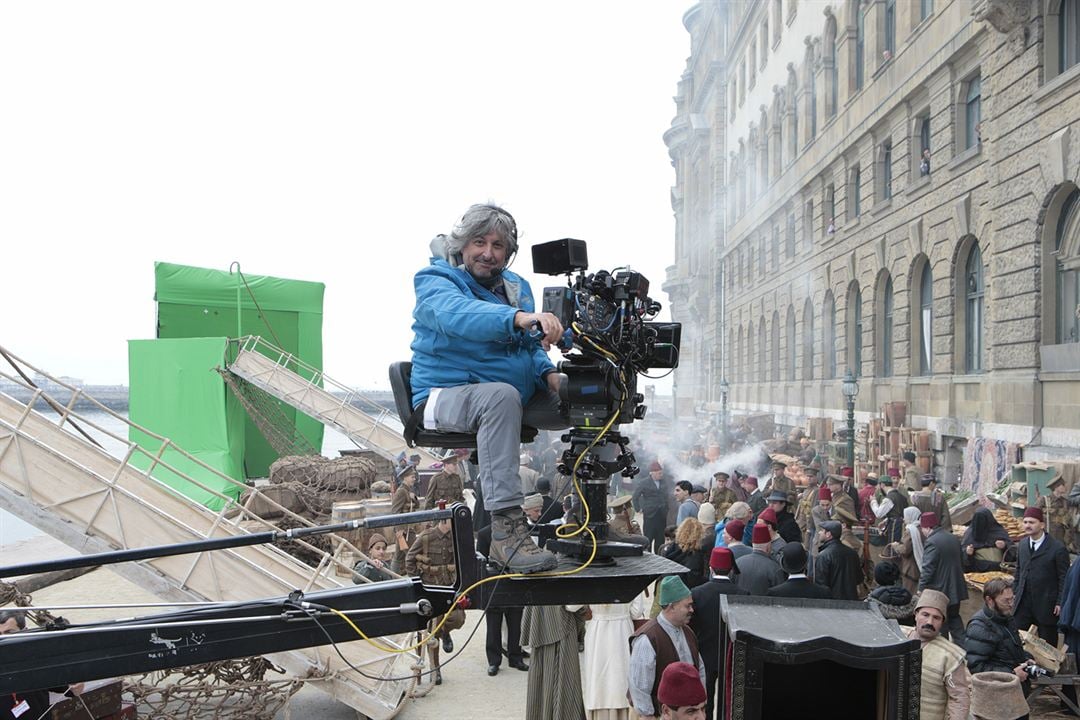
(610, 339)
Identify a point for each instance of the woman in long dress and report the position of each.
(607, 658)
(910, 550)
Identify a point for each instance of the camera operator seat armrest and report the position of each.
(415, 434)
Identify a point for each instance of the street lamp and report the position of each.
(850, 388)
(724, 387)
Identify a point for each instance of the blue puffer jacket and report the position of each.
(464, 333)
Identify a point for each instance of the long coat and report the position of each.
(758, 572)
(554, 690)
(650, 500)
(943, 566)
(838, 568)
(706, 620)
(1041, 577)
(607, 654)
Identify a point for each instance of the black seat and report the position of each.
(413, 420)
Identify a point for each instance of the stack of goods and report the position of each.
(978, 580)
(1012, 525)
(796, 473)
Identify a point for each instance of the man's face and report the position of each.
(777, 506)
(826, 504)
(485, 257)
(378, 551)
(836, 487)
(656, 475)
(749, 486)
(9, 626)
(679, 613)
(777, 472)
(928, 620)
(444, 526)
(533, 513)
(680, 494)
(1059, 490)
(450, 468)
(1003, 603)
(690, 712)
(700, 497)
(1033, 527)
(409, 479)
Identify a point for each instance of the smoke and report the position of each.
(753, 460)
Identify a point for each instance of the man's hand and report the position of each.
(969, 549)
(546, 323)
(1020, 672)
(554, 379)
(1057, 610)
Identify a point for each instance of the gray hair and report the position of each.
(18, 615)
(478, 221)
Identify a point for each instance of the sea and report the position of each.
(14, 529)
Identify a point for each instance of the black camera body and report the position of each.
(610, 339)
(1037, 671)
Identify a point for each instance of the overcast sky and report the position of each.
(324, 141)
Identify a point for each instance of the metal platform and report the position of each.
(617, 583)
(307, 389)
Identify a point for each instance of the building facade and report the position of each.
(890, 187)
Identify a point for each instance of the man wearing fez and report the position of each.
(680, 694)
(943, 570)
(650, 498)
(930, 499)
(706, 620)
(1040, 577)
(819, 515)
(758, 571)
(446, 485)
(798, 585)
(946, 682)
(480, 365)
(837, 566)
(754, 498)
(660, 642)
(734, 530)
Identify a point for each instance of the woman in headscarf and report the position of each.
(985, 543)
(910, 550)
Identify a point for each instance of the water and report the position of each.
(13, 529)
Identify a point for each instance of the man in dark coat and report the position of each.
(551, 509)
(651, 498)
(754, 498)
(786, 526)
(706, 620)
(943, 570)
(1040, 577)
(837, 566)
(992, 641)
(757, 570)
(797, 585)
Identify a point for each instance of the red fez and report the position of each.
(768, 515)
(928, 520)
(847, 472)
(1034, 512)
(824, 493)
(761, 535)
(655, 466)
(721, 559)
(680, 686)
(735, 529)
(894, 472)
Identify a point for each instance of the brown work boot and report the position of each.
(513, 549)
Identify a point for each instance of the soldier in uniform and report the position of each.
(721, 496)
(807, 500)
(404, 501)
(621, 519)
(447, 485)
(1059, 516)
(780, 481)
(374, 568)
(431, 558)
(843, 511)
(930, 499)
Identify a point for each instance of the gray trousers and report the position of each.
(493, 411)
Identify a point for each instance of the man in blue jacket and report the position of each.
(480, 365)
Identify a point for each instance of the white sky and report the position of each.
(321, 141)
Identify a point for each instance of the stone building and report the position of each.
(890, 187)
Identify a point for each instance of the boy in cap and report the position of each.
(660, 642)
(946, 682)
(706, 620)
(681, 695)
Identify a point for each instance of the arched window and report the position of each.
(1067, 299)
(854, 329)
(974, 292)
(808, 340)
(791, 344)
(924, 321)
(885, 337)
(828, 320)
(762, 373)
(775, 346)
